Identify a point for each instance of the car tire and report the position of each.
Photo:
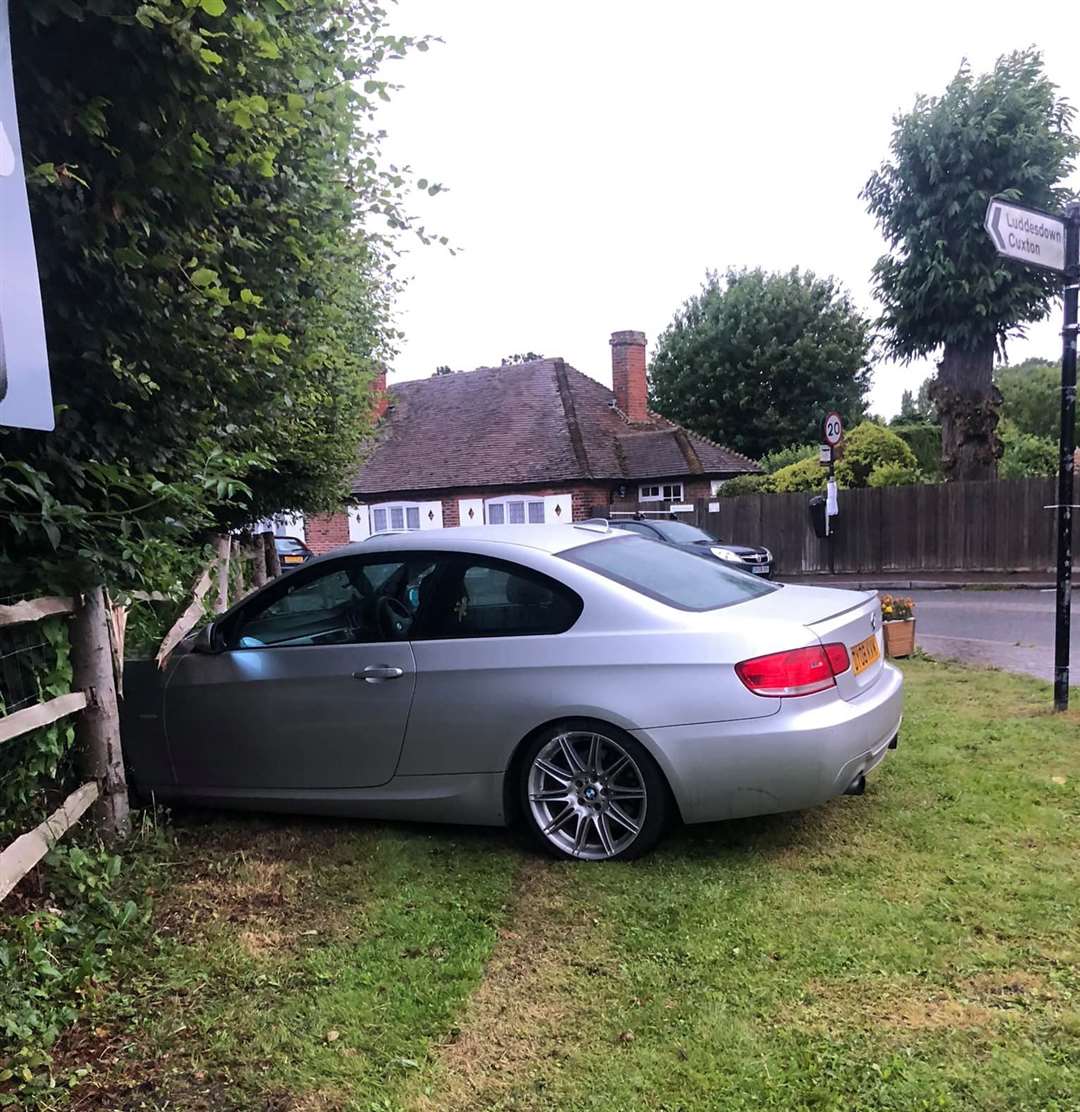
(588, 791)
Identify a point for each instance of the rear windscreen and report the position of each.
(668, 574)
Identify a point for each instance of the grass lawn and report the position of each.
(916, 948)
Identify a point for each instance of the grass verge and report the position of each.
(915, 948)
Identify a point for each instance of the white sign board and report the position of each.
(1026, 234)
(25, 394)
(832, 430)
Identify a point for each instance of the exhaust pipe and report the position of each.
(857, 786)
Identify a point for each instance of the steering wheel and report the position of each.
(394, 618)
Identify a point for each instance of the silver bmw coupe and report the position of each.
(590, 684)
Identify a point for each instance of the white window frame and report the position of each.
(527, 500)
(665, 492)
(387, 509)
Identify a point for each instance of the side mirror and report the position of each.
(204, 640)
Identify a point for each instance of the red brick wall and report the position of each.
(324, 532)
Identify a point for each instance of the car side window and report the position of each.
(348, 602)
(492, 598)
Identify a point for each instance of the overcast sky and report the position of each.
(600, 155)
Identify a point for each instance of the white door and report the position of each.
(430, 515)
(558, 508)
(359, 523)
(470, 511)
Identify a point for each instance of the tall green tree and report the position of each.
(942, 286)
(216, 235)
(1031, 396)
(755, 360)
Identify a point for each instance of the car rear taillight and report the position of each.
(839, 660)
(794, 672)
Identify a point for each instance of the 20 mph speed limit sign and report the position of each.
(832, 430)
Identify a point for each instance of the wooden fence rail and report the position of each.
(28, 849)
(1001, 526)
(98, 725)
(42, 714)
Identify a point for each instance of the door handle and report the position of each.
(375, 673)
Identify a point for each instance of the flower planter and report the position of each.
(900, 637)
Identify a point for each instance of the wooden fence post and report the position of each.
(224, 548)
(97, 729)
(258, 560)
(273, 564)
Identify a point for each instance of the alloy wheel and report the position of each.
(587, 795)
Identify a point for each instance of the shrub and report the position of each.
(867, 446)
(1026, 456)
(806, 475)
(746, 484)
(925, 441)
(58, 956)
(893, 475)
(784, 457)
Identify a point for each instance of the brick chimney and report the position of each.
(628, 374)
(378, 390)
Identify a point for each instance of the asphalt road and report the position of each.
(1013, 630)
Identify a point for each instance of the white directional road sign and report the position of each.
(1026, 234)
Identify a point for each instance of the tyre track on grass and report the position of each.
(538, 992)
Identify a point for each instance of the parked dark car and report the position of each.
(292, 552)
(756, 560)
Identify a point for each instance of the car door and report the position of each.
(311, 683)
(491, 660)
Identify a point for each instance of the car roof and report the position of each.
(470, 538)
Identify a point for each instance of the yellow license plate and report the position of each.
(292, 559)
(865, 653)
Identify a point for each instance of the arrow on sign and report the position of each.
(1026, 234)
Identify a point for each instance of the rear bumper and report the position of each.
(805, 754)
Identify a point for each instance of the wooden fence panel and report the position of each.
(1000, 526)
(97, 729)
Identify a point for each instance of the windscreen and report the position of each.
(671, 575)
(678, 532)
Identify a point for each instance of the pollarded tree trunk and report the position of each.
(967, 402)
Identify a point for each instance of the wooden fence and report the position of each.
(97, 658)
(1001, 526)
(94, 700)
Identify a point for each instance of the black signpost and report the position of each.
(1053, 243)
(1066, 463)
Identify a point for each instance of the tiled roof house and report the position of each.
(527, 443)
